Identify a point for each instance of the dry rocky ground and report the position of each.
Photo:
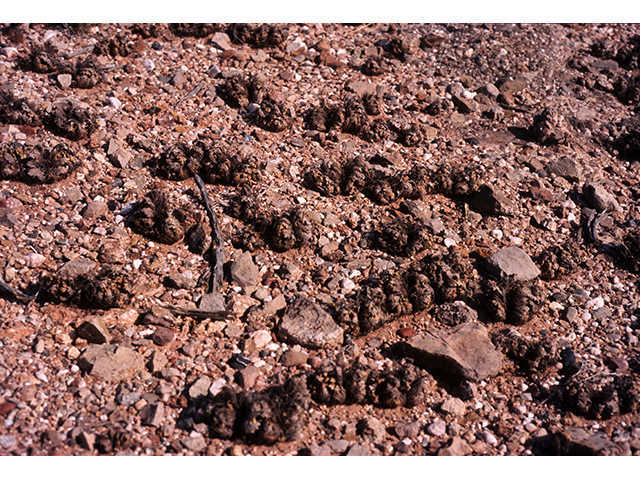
(424, 239)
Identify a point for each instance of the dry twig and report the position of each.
(217, 245)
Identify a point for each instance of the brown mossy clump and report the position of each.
(272, 115)
(513, 302)
(36, 164)
(381, 299)
(217, 164)
(532, 355)
(400, 385)
(160, 218)
(557, 261)
(238, 91)
(105, 287)
(70, 118)
(276, 414)
(258, 35)
(197, 30)
(599, 400)
(19, 111)
(86, 74)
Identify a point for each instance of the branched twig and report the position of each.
(217, 245)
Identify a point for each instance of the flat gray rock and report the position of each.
(512, 262)
(76, 267)
(307, 324)
(111, 363)
(244, 272)
(465, 351)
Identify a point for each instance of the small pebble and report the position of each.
(34, 260)
(406, 332)
(114, 102)
(489, 438)
(437, 428)
(162, 336)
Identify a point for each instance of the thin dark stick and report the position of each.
(197, 313)
(195, 90)
(12, 292)
(217, 246)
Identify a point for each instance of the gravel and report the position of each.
(430, 232)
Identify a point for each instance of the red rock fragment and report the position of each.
(162, 336)
(6, 407)
(406, 332)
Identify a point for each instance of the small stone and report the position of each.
(316, 450)
(291, 358)
(597, 197)
(216, 386)
(94, 331)
(358, 450)
(307, 324)
(514, 263)
(371, 429)
(194, 444)
(274, 306)
(233, 331)
(361, 88)
(437, 428)
(602, 313)
(76, 267)
(567, 168)
(406, 332)
(337, 446)
(570, 314)
(239, 304)
(7, 441)
(454, 406)
(86, 440)
(244, 272)
(212, 302)
(489, 437)
(619, 364)
(261, 338)
(64, 80)
(111, 363)
(157, 361)
(95, 210)
(152, 414)
(34, 260)
(407, 430)
(458, 448)
(162, 336)
(180, 280)
(114, 103)
(247, 377)
(492, 200)
(577, 441)
(221, 40)
(200, 388)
